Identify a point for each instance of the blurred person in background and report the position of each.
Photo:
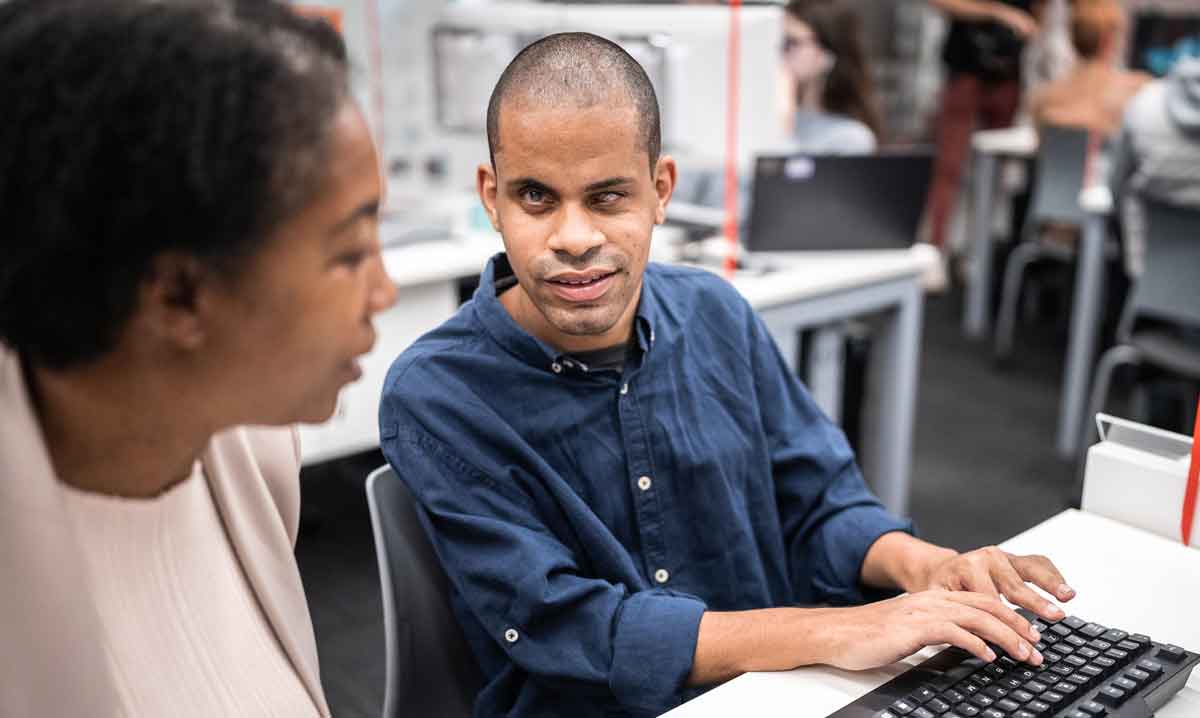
(1094, 93)
(190, 248)
(1157, 153)
(833, 107)
(982, 54)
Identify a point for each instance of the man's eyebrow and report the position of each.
(609, 183)
(524, 182)
(370, 208)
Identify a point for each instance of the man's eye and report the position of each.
(533, 196)
(352, 259)
(607, 197)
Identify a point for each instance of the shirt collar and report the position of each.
(505, 331)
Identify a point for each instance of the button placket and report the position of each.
(647, 505)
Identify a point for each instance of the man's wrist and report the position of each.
(899, 560)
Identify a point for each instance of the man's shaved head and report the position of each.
(576, 70)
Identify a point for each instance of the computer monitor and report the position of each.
(682, 48)
(802, 202)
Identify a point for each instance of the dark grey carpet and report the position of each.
(984, 470)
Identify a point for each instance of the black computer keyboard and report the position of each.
(1089, 671)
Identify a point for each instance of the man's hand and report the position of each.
(884, 632)
(993, 572)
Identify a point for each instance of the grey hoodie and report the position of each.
(1158, 152)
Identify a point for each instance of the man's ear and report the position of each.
(486, 186)
(664, 186)
(170, 300)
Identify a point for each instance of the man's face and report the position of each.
(574, 197)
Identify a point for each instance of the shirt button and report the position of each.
(556, 368)
(661, 575)
(625, 388)
(644, 483)
(511, 635)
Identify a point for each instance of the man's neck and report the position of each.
(112, 430)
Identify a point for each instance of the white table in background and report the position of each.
(989, 146)
(804, 290)
(1125, 578)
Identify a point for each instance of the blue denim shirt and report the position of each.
(587, 519)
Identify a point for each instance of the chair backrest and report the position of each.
(1058, 175)
(431, 670)
(1169, 288)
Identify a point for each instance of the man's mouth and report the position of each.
(581, 286)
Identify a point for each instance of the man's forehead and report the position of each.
(569, 141)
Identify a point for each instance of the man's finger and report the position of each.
(1042, 572)
(1013, 587)
(996, 607)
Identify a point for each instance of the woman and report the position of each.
(835, 109)
(188, 198)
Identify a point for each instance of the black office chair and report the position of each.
(430, 668)
(1160, 324)
(1058, 180)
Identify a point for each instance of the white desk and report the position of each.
(806, 290)
(1125, 578)
(989, 146)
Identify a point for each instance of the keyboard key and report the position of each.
(1127, 646)
(982, 701)
(993, 713)
(1025, 674)
(1051, 657)
(1137, 675)
(1079, 680)
(1051, 697)
(1075, 661)
(1140, 638)
(922, 694)
(1077, 714)
(1007, 705)
(1093, 709)
(1049, 638)
(1093, 630)
(1112, 635)
(1087, 652)
(886, 713)
(969, 688)
(952, 696)
(1104, 662)
(1100, 645)
(1066, 688)
(1062, 631)
(1110, 695)
(1065, 649)
(921, 712)
(1023, 714)
(1091, 672)
(967, 710)
(1074, 622)
(1117, 654)
(1075, 641)
(1010, 682)
(937, 705)
(1171, 653)
(1021, 696)
(1035, 687)
(952, 714)
(904, 707)
(984, 680)
(1125, 684)
(1063, 671)
(1038, 708)
(995, 692)
(1154, 668)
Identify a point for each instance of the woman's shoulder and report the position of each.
(261, 456)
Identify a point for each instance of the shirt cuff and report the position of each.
(847, 541)
(654, 646)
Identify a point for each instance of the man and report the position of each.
(627, 487)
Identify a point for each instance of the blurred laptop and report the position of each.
(807, 203)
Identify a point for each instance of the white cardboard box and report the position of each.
(1137, 475)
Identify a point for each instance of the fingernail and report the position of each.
(1065, 590)
(1054, 610)
(1023, 651)
(1033, 633)
(1037, 658)
(991, 655)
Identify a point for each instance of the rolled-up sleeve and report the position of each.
(828, 516)
(528, 591)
